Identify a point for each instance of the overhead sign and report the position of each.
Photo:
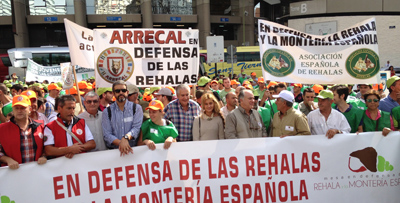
(289, 55)
(50, 19)
(215, 49)
(114, 18)
(146, 57)
(347, 168)
(175, 18)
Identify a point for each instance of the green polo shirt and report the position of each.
(157, 133)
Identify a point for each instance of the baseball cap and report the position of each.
(83, 85)
(221, 81)
(271, 83)
(132, 88)
(156, 105)
(171, 88)
(29, 93)
(248, 86)
(325, 94)
(391, 80)
(73, 91)
(234, 82)
(298, 85)
(203, 81)
(253, 74)
(21, 100)
(378, 87)
(216, 82)
(260, 80)
(152, 89)
(165, 92)
(286, 95)
(102, 90)
(147, 97)
(53, 86)
(317, 88)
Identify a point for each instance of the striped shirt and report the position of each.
(122, 123)
(183, 120)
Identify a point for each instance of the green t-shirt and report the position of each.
(258, 92)
(157, 133)
(223, 93)
(241, 79)
(6, 109)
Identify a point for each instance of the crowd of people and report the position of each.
(41, 121)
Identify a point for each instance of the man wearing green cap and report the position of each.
(324, 120)
(106, 96)
(5, 103)
(226, 90)
(393, 99)
(204, 83)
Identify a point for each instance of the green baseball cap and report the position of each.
(221, 81)
(203, 81)
(391, 80)
(152, 89)
(102, 90)
(6, 82)
(325, 94)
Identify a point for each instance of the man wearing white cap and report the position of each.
(288, 121)
(164, 95)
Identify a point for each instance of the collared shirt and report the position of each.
(183, 120)
(122, 123)
(50, 137)
(387, 104)
(307, 109)
(319, 125)
(293, 122)
(251, 124)
(49, 106)
(225, 111)
(42, 117)
(94, 124)
(53, 116)
(28, 152)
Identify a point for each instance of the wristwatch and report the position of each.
(126, 137)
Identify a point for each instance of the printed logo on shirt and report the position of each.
(40, 135)
(152, 130)
(79, 131)
(115, 64)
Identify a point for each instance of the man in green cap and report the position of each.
(106, 96)
(203, 83)
(353, 114)
(393, 99)
(325, 120)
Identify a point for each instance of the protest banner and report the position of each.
(346, 168)
(66, 75)
(37, 72)
(80, 44)
(146, 57)
(347, 56)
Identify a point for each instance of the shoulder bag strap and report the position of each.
(69, 132)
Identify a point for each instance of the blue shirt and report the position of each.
(183, 120)
(387, 104)
(122, 123)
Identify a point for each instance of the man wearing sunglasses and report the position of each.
(353, 114)
(93, 118)
(122, 120)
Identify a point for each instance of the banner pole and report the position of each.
(77, 89)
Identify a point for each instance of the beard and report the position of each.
(121, 98)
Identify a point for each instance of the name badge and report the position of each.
(128, 119)
(152, 130)
(289, 128)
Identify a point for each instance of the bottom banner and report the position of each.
(346, 168)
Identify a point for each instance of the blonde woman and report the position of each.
(210, 124)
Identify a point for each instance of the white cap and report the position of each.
(286, 95)
(165, 92)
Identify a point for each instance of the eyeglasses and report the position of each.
(118, 91)
(374, 100)
(92, 101)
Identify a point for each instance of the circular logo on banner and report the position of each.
(277, 62)
(363, 64)
(79, 131)
(115, 64)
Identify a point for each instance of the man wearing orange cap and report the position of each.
(298, 96)
(259, 91)
(234, 84)
(54, 91)
(74, 92)
(21, 139)
(67, 135)
(84, 87)
(34, 115)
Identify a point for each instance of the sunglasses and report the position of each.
(118, 91)
(374, 100)
(92, 101)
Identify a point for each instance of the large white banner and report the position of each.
(347, 56)
(80, 44)
(146, 57)
(37, 72)
(347, 168)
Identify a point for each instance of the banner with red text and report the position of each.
(80, 44)
(346, 168)
(146, 57)
(347, 56)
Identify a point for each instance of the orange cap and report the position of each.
(171, 88)
(317, 88)
(260, 80)
(298, 85)
(246, 82)
(378, 87)
(73, 91)
(253, 74)
(29, 93)
(271, 83)
(233, 82)
(216, 82)
(94, 84)
(248, 86)
(53, 86)
(156, 105)
(21, 100)
(147, 97)
(84, 85)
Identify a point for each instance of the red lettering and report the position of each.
(124, 200)
(222, 168)
(315, 161)
(115, 36)
(127, 36)
(148, 37)
(304, 163)
(176, 195)
(180, 38)
(166, 192)
(58, 187)
(211, 175)
(155, 197)
(292, 196)
(273, 164)
(118, 178)
(184, 164)
(74, 185)
(138, 37)
(235, 193)
(156, 172)
(144, 196)
(143, 174)
(294, 169)
(285, 164)
(260, 165)
(283, 193)
(171, 36)
(250, 166)
(246, 192)
(196, 169)
(189, 195)
(303, 190)
(129, 176)
(232, 165)
(106, 179)
(91, 175)
(157, 37)
(224, 195)
(270, 191)
(167, 171)
(257, 193)
(207, 195)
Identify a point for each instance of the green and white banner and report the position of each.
(348, 56)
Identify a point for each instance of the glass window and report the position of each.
(5, 8)
(56, 59)
(113, 6)
(251, 56)
(6, 61)
(54, 7)
(183, 7)
(42, 59)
